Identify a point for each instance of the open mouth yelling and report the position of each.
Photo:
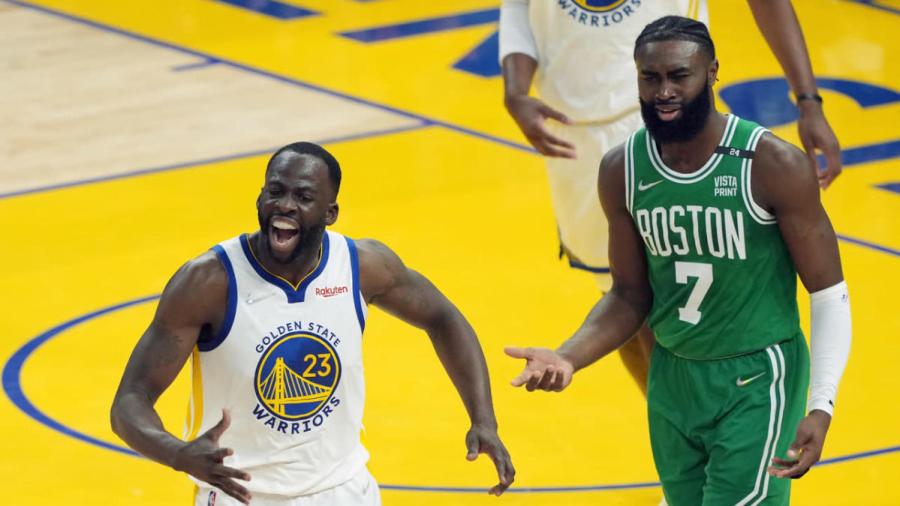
(668, 112)
(284, 234)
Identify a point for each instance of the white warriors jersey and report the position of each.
(585, 51)
(287, 364)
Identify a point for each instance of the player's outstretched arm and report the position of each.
(782, 184)
(778, 23)
(388, 284)
(618, 315)
(193, 299)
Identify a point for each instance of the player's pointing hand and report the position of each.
(203, 459)
(544, 369)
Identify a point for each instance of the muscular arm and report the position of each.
(782, 185)
(388, 284)
(194, 297)
(619, 314)
(193, 302)
(779, 26)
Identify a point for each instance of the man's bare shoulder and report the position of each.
(781, 171)
(776, 158)
(199, 287)
(379, 267)
(202, 273)
(611, 180)
(613, 161)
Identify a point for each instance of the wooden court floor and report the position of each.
(133, 136)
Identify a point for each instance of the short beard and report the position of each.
(694, 115)
(309, 238)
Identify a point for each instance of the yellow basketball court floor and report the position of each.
(133, 136)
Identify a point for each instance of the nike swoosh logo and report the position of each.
(742, 382)
(253, 300)
(642, 186)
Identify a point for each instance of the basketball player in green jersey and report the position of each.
(711, 219)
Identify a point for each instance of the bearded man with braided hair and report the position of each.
(711, 219)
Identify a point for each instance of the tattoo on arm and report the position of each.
(166, 351)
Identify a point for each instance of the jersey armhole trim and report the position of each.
(230, 304)
(356, 289)
(629, 172)
(756, 211)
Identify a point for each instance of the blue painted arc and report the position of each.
(767, 101)
(12, 386)
(12, 372)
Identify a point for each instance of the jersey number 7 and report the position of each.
(704, 274)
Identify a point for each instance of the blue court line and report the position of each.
(869, 153)
(870, 245)
(205, 161)
(875, 4)
(859, 455)
(424, 26)
(206, 62)
(12, 373)
(888, 149)
(523, 490)
(425, 120)
(277, 77)
(271, 8)
(584, 267)
(861, 154)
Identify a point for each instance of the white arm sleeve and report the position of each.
(829, 337)
(515, 30)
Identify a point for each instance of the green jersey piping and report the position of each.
(756, 211)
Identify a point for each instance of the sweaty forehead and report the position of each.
(670, 54)
(293, 167)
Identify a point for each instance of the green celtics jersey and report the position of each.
(723, 280)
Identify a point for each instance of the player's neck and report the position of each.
(295, 270)
(690, 155)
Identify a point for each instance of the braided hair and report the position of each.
(676, 28)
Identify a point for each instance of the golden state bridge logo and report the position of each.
(295, 379)
(598, 5)
(599, 13)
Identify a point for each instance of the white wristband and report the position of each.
(829, 335)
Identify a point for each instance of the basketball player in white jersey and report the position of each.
(579, 55)
(273, 324)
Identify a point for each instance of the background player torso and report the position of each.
(585, 67)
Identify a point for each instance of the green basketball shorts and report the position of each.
(716, 424)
